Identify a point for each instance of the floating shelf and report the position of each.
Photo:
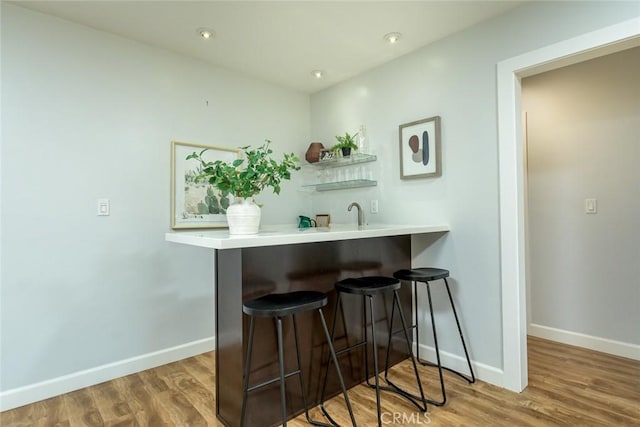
(339, 185)
(353, 159)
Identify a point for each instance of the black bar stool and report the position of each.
(277, 306)
(369, 287)
(426, 275)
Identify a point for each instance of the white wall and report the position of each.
(88, 115)
(454, 78)
(584, 142)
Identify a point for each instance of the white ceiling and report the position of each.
(281, 42)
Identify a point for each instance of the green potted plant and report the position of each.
(244, 179)
(346, 143)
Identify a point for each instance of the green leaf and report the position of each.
(244, 177)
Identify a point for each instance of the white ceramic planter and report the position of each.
(243, 217)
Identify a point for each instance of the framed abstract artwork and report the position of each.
(197, 204)
(420, 149)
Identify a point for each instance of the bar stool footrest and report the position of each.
(351, 347)
(465, 377)
(400, 330)
(396, 389)
(327, 416)
(321, 424)
(273, 380)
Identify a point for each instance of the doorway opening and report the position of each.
(511, 168)
(582, 203)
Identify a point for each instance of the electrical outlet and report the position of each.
(374, 206)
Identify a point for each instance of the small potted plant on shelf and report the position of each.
(244, 179)
(345, 144)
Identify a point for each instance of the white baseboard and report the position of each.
(56, 386)
(617, 348)
(482, 372)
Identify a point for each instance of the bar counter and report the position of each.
(284, 259)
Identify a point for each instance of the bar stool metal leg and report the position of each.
(438, 364)
(275, 307)
(283, 402)
(416, 400)
(300, 377)
(464, 346)
(435, 342)
(364, 325)
(375, 358)
(365, 335)
(326, 372)
(416, 325)
(333, 358)
(340, 378)
(346, 338)
(414, 288)
(247, 369)
(391, 334)
(369, 288)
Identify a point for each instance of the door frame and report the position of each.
(513, 257)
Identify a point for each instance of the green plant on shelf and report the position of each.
(345, 143)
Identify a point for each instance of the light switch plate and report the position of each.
(104, 208)
(590, 206)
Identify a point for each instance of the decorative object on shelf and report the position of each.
(333, 177)
(245, 178)
(197, 204)
(346, 143)
(332, 160)
(363, 141)
(313, 152)
(306, 222)
(326, 155)
(420, 148)
(323, 220)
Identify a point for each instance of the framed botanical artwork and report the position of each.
(420, 149)
(197, 204)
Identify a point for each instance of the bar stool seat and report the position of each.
(426, 275)
(277, 306)
(422, 274)
(369, 287)
(273, 305)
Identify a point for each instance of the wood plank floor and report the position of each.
(568, 386)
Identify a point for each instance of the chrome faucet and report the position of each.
(360, 213)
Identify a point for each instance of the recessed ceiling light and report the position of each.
(318, 74)
(392, 38)
(205, 33)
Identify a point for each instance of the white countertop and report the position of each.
(275, 235)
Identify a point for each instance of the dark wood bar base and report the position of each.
(247, 273)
